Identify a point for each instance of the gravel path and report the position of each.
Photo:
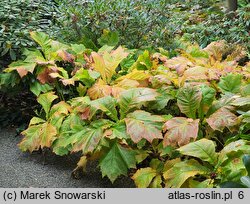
(18, 169)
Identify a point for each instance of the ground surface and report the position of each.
(18, 169)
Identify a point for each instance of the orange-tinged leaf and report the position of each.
(144, 176)
(21, 67)
(180, 131)
(106, 63)
(180, 64)
(99, 90)
(44, 77)
(66, 56)
(38, 136)
(141, 124)
(222, 118)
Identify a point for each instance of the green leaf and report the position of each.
(118, 130)
(46, 100)
(38, 136)
(143, 62)
(109, 38)
(208, 96)
(231, 184)
(144, 176)
(107, 105)
(246, 161)
(21, 67)
(37, 88)
(180, 131)
(117, 161)
(230, 83)
(78, 48)
(188, 100)
(245, 180)
(41, 38)
(180, 172)
(203, 149)
(141, 124)
(83, 76)
(87, 138)
(132, 99)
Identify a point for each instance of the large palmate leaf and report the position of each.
(41, 38)
(222, 118)
(117, 161)
(188, 100)
(203, 149)
(180, 172)
(107, 105)
(208, 96)
(106, 63)
(138, 75)
(144, 176)
(46, 100)
(180, 131)
(21, 67)
(87, 138)
(134, 98)
(230, 83)
(38, 136)
(118, 130)
(141, 124)
(99, 90)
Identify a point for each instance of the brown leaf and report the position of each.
(180, 131)
(66, 56)
(222, 118)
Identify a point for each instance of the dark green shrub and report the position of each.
(17, 19)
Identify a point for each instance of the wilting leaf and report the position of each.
(81, 164)
(46, 100)
(222, 118)
(143, 177)
(188, 100)
(230, 83)
(180, 64)
(21, 67)
(203, 149)
(141, 124)
(38, 136)
(180, 131)
(67, 57)
(99, 90)
(134, 98)
(117, 161)
(181, 171)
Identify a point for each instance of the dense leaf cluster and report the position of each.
(170, 122)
